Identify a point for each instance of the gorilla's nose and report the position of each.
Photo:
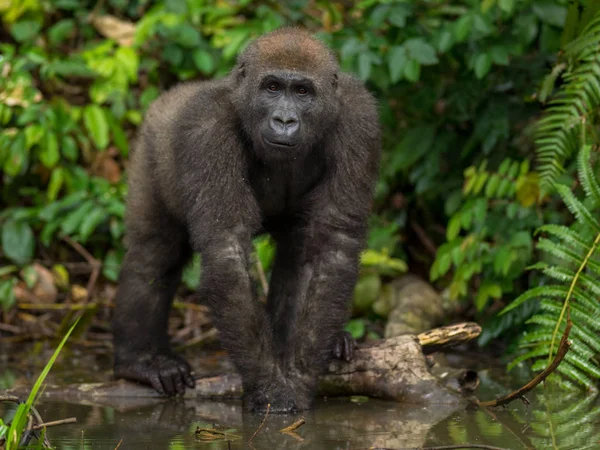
(284, 122)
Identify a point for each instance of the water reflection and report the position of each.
(554, 420)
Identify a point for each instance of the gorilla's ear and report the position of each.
(334, 81)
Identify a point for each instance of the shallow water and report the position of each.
(553, 420)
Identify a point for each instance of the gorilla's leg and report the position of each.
(323, 286)
(282, 299)
(149, 277)
(244, 329)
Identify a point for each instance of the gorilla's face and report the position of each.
(284, 105)
(286, 112)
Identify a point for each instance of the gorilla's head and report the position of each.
(286, 92)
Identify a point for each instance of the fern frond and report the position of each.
(564, 233)
(574, 295)
(586, 175)
(578, 209)
(556, 133)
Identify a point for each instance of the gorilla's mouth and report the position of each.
(282, 144)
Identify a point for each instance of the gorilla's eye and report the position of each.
(273, 87)
(302, 91)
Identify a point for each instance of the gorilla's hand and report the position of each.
(343, 347)
(167, 373)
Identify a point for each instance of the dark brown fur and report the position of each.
(201, 179)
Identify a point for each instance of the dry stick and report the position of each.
(119, 444)
(291, 430)
(448, 447)
(56, 306)
(54, 423)
(262, 424)
(293, 427)
(93, 262)
(33, 416)
(563, 348)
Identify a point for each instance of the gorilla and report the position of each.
(288, 145)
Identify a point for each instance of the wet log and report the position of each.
(392, 369)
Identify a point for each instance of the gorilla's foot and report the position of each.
(167, 373)
(284, 396)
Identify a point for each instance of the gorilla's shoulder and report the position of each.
(191, 99)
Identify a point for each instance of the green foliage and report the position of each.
(453, 79)
(489, 237)
(564, 127)
(21, 416)
(562, 420)
(573, 266)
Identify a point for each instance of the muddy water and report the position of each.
(553, 420)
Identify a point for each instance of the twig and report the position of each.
(447, 447)
(54, 423)
(563, 348)
(291, 430)
(262, 424)
(425, 240)
(56, 306)
(93, 262)
(293, 427)
(10, 328)
(35, 421)
(119, 444)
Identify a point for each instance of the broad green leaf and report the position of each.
(364, 66)
(18, 243)
(90, 222)
(499, 55)
(483, 64)
(188, 36)
(129, 60)
(61, 31)
(25, 30)
(486, 5)
(506, 5)
(399, 14)
(487, 290)
(33, 134)
(119, 136)
(454, 226)
(97, 125)
(18, 157)
(30, 276)
(49, 154)
(112, 265)
(57, 179)
(72, 221)
(550, 12)
(462, 27)
(204, 61)
(420, 50)
(7, 293)
(396, 61)
(444, 41)
(356, 327)
(412, 70)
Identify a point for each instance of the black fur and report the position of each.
(220, 162)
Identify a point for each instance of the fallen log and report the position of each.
(392, 369)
